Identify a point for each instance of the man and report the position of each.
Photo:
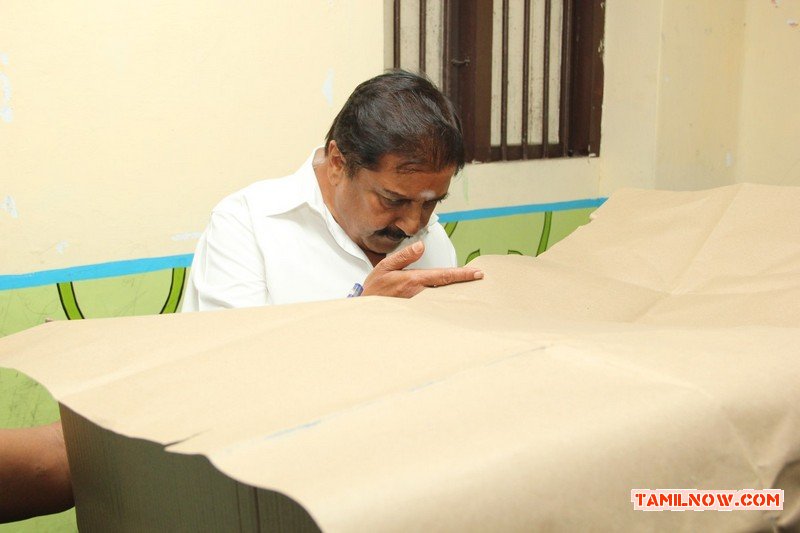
(387, 162)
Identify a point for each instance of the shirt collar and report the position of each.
(292, 191)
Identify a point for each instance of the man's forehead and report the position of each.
(409, 182)
(408, 165)
(401, 193)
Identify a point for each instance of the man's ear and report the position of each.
(337, 166)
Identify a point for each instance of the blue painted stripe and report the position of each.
(475, 214)
(101, 270)
(139, 266)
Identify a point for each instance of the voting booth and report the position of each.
(658, 347)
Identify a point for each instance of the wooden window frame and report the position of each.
(467, 77)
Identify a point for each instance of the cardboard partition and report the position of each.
(657, 347)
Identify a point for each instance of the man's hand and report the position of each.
(389, 279)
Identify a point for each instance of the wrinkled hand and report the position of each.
(389, 279)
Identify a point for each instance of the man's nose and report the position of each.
(411, 219)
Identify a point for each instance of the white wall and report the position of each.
(770, 103)
(123, 123)
(723, 80)
(699, 86)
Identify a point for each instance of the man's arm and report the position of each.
(34, 472)
(228, 269)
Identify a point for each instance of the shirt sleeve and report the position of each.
(228, 267)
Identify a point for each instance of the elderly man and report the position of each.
(331, 226)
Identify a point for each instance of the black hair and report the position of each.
(398, 113)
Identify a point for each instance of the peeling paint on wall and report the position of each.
(61, 246)
(793, 23)
(327, 87)
(6, 114)
(728, 159)
(10, 206)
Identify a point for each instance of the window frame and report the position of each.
(467, 76)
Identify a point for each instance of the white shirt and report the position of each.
(276, 242)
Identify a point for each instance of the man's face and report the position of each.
(378, 209)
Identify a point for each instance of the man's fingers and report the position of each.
(401, 259)
(447, 276)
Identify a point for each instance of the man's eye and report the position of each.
(432, 203)
(393, 203)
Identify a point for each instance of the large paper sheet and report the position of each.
(657, 347)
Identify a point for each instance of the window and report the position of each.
(526, 75)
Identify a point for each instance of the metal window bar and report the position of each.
(525, 150)
(504, 87)
(396, 36)
(546, 81)
(526, 52)
(566, 79)
(422, 34)
(447, 80)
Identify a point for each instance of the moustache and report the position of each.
(395, 234)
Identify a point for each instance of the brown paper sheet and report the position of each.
(657, 347)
